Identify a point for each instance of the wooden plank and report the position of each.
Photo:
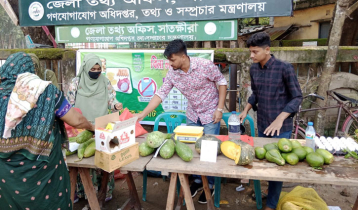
(103, 191)
(171, 191)
(187, 195)
(208, 196)
(340, 172)
(73, 179)
(180, 199)
(89, 189)
(355, 207)
(133, 192)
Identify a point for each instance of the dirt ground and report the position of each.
(157, 193)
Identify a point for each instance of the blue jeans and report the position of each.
(274, 188)
(210, 128)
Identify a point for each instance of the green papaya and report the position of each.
(327, 156)
(290, 158)
(284, 145)
(156, 138)
(308, 149)
(295, 144)
(274, 156)
(90, 150)
(84, 136)
(270, 146)
(167, 150)
(260, 152)
(145, 150)
(314, 159)
(183, 151)
(300, 152)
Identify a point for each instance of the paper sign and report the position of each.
(208, 151)
(334, 208)
(73, 146)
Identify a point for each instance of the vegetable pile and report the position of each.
(87, 147)
(291, 152)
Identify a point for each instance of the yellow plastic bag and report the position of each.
(301, 198)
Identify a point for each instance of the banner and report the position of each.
(136, 75)
(148, 32)
(87, 12)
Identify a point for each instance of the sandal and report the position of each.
(263, 195)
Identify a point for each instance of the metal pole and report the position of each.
(233, 88)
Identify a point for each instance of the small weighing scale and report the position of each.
(188, 134)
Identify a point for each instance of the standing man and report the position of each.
(276, 97)
(197, 80)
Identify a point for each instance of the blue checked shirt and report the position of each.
(275, 89)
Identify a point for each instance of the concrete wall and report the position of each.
(304, 17)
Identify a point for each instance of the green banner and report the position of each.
(149, 32)
(136, 75)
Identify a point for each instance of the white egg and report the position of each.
(335, 138)
(322, 138)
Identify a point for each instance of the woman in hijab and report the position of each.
(32, 111)
(44, 74)
(94, 95)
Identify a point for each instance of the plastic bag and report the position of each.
(139, 130)
(71, 131)
(301, 198)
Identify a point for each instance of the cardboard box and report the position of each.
(110, 162)
(122, 135)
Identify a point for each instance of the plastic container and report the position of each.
(310, 136)
(234, 126)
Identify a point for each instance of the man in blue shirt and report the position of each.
(276, 96)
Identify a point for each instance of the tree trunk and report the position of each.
(330, 60)
(349, 39)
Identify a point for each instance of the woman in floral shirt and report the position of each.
(94, 95)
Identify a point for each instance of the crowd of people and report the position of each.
(33, 111)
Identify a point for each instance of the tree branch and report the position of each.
(352, 8)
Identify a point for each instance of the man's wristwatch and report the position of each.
(220, 110)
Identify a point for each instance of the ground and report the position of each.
(157, 193)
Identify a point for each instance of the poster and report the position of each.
(136, 75)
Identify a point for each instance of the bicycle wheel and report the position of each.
(300, 133)
(350, 125)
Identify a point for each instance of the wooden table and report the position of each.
(340, 172)
(83, 168)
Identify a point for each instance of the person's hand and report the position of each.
(217, 116)
(274, 127)
(140, 116)
(118, 106)
(242, 116)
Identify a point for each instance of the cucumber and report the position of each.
(81, 149)
(183, 151)
(84, 136)
(90, 150)
(167, 150)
